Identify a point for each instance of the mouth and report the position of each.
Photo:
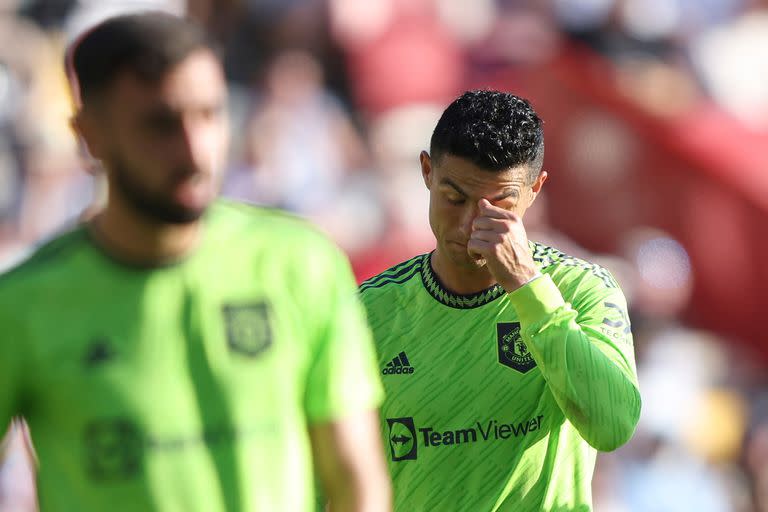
(476, 258)
(192, 189)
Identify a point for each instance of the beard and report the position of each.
(154, 206)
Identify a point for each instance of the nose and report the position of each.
(467, 218)
(196, 139)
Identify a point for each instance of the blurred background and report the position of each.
(656, 122)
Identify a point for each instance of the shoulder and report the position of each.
(567, 271)
(391, 280)
(266, 227)
(50, 261)
(238, 216)
(390, 297)
(277, 243)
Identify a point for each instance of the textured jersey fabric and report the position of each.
(187, 387)
(496, 401)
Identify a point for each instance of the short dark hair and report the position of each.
(148, 44)
(493, 130)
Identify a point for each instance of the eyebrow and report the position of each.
(512, 192)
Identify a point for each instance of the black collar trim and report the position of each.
(440, 293)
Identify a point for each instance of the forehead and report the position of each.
(197, 81)
(471, 179)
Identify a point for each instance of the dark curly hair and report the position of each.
(493, 130)
(148, 44)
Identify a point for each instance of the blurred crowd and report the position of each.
(331, 102)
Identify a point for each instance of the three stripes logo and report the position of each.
(398, 366)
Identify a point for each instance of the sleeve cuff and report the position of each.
(536, 300)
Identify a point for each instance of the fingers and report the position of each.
(490, 224)
(493, 237)
(493, 218)
(486, 209)
(478, 248)
(493, 229)
(27, 437)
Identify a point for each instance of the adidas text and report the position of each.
(397, 370)
(400, 365)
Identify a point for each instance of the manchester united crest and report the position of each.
(513, 352)
(248, 328)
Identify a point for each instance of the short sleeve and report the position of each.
(343, 377)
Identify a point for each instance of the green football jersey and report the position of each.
(187, 387)
(496, 401)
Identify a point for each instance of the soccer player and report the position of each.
(506, 363)
(176, 353)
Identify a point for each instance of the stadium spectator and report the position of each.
(300, 148)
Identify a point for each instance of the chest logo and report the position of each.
(402, 438)
(399, 365)
(513, 352)
(248, 328)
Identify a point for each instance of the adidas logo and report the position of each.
(399, 365)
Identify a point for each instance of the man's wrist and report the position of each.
(537, 300)
(535, 276)
(511, 287)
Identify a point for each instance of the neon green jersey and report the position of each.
(187, 387)
(495, 401)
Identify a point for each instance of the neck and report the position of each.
(460, 279)
(131, 237)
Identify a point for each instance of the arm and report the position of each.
(344, 392)
(350, 464)
(585, 354)
(590, 370)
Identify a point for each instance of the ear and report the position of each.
(89, 133)
(536, 187)
(426, 168)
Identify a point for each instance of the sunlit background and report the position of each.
(656, 122)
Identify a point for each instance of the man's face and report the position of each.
(455, 187)
(164, 145)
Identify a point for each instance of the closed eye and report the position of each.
(162, 122)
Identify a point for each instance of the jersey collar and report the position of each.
(440, 293)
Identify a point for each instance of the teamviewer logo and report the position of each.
(402, 439)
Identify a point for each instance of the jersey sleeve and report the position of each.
(585, 353)
(343, 376)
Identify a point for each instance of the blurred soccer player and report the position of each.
(177, 353)
(506, 363)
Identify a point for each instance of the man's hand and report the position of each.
(18, 463)
(499, 237)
